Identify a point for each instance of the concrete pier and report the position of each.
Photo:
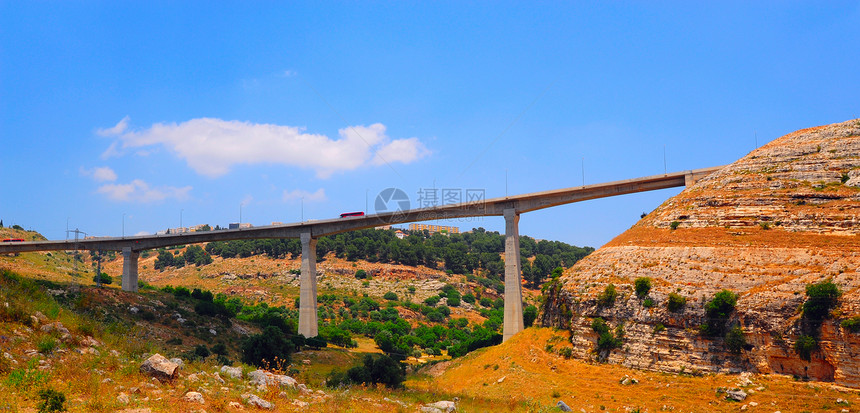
(129, 269)
(308, 323)
(513, 275)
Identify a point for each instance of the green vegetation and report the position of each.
(361, 274)
(529, 315)
(390, 296)
(606, 339)
(373, 370)
(821, 298)
(51, 401)
(105, 279)
(852, 324)
(674, 225)
(194, 254)
(608, 296)
(735, 340)
(718, 311)
(676, 302)
(804, 346)
(466, 253)
(642, 286)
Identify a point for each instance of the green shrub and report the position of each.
(606, 339)
(852, 324)
(380, 369)
(643, 286)
(529, 315)
(674, 225)
(46, 345)
(648, 303)
(735, 340)
(469, 298)
(608, 296)
(432, 300)
(105, 279)
(486, 302)
(565, 352)
(268, 348)
(361, 274)
(676, 302)
(804, 346)
(821, 298)
(390, 296)
(181, 292)
(176, 341)
(200, 351)
(52, 401)
(718, 311)
(658, 328)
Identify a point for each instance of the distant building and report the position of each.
(399, 234)
(237, 225)
(383, 227)
(434, 228)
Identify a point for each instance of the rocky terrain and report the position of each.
(781, 218)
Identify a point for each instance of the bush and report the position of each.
(804, 346)
(608, 296)
(390, 296)
(469, 298)
(268, 348)
(180, 292)
(648, 303)
(529, 315)
(676, 302)
(718, 311)
(852, 324)
(821, 298)
(606, 340)
(486, 302)
(52, 401)
(105, 279)
(432, 300)
(735, 340)
(643, 286)
(200, 351)
(378, 370)
(674, 225)
(361, 274)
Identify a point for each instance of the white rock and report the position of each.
(299, 403)
(159, 367)
(193, 397)
(444, 405)
(256, 401)
(122, 398)
(232, 372)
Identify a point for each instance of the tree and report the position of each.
(529, 315)
(643, 286)
(269, 347)
(105, 279)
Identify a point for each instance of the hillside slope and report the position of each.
(781, 218)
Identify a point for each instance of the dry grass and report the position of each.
(533, 378)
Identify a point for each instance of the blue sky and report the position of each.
(144, 113)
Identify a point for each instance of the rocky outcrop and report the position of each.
(764, 227)
(160, 367)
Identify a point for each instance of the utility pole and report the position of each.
(180, 219)
(123, 224)
(665, 169)
(99, 268)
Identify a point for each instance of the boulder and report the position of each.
(160, 368)
(256, 401)
(193, 397)
(232, 372)
(736, 395)
(563, 406)
(262, 378)
(443, 406)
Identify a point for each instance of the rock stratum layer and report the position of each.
(764, 227)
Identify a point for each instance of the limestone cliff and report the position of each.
(764, 227)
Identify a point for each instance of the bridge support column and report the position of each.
(513, 275)
(308, 323)
(129, 269)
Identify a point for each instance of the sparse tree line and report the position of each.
(476, 252)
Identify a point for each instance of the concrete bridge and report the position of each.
(509, 207)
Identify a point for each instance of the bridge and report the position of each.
(509, 207)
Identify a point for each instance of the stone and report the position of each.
(232, 372)
(304, 389)
(262, 378)
(54, 327)
(218, 378)
(122, 398)
(736, 395)
(501, 379)
(90, 342)
(193, 397)
(300, 404)
(235, 405)
(563, 406)
(178, 361)
(444, 406)
(133, 310)
(256, 401)
(160, 368)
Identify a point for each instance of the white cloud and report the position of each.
(117, 129)
(212, 146)
(101, 174)
(140, 191)
(104, 174)
(296, 194)
(289, 73)
(142, 233)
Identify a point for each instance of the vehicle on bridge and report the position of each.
(352, 214)
(13, 240)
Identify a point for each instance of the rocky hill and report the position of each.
(765, 227)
